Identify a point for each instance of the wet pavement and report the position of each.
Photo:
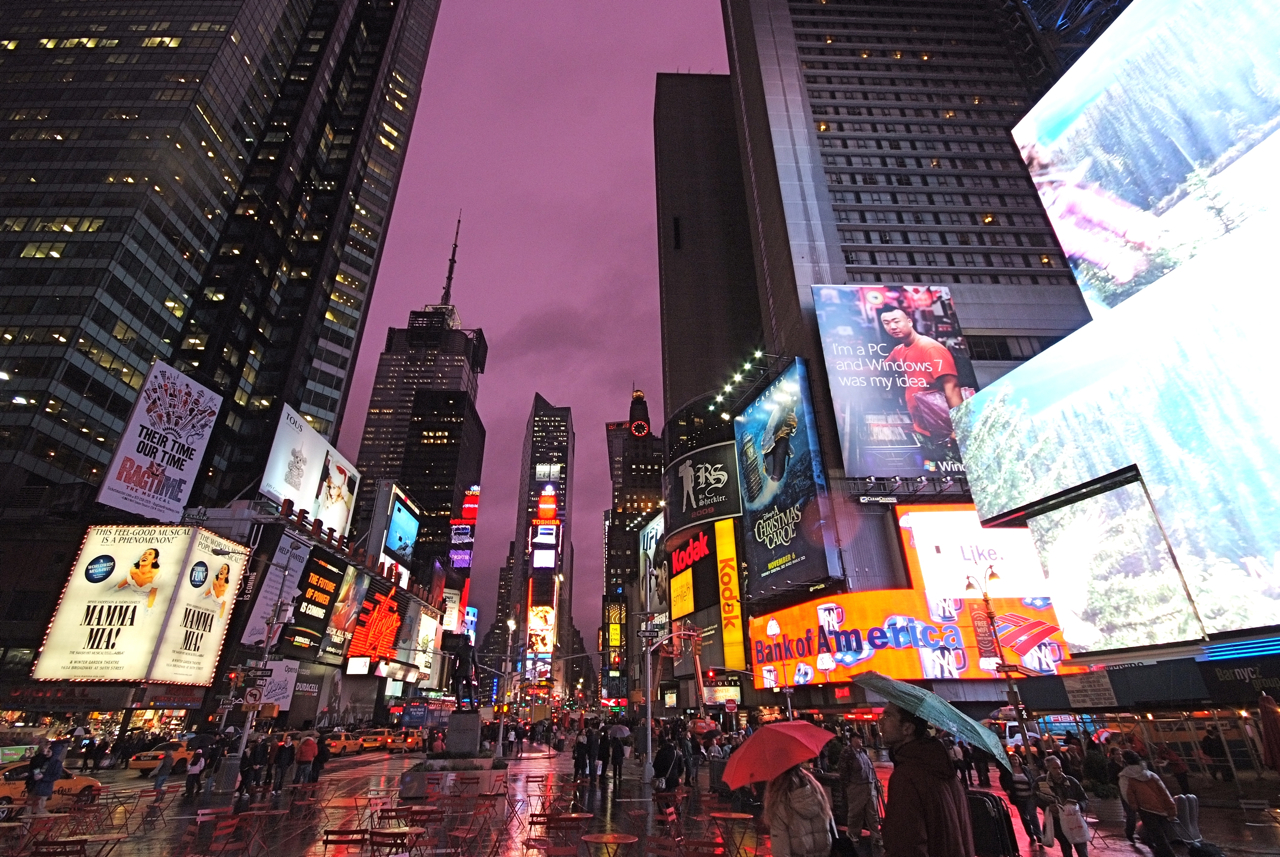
(615, 807)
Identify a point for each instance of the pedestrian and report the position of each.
(982, 765)
(521, 734)
(927, 812)
(1115, 764)
(40, 768)
(602, 759)
(195, 768)
(261, 761)
(593, 751)
(798, 815)
(1019, 785)
(246, 771)
(858, 775)
(1168, 759)
(666, 766)
(305, 757)
(285, 756)
(1146, 793)
(323, 754)
(617, 754)
(580, 756)
(163, 770)
(1055, 791)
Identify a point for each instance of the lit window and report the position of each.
(44, 249)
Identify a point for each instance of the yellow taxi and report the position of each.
(407, 741)
(13, 788)
(146, 763)
(343, 743)
(376, 739)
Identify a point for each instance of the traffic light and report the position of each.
(233, 679)
(711, 675)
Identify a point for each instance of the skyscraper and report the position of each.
(542, 591)
(635, 469)
(208, 184)
(875, 145)
(705, 270)
(433, 354)
(495, 646)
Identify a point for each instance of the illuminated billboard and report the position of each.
(903, 634)
(304, 468)
(1153, 157)
(896, 365)
(402, 530)
(542, 630)
(782, 479)
(378, 627)
(316, 597)
(161, 447)
(694, 568)
(654, 570)
(346, 612)
(279, 582)
(143, 604)
(702, 486)
(471, 618)
(945, 545)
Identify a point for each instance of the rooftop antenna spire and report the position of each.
(447, 298)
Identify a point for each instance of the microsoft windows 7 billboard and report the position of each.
(783, 485)
(1155, 158)
(896, 365)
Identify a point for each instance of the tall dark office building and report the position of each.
(494, 645)
(635, 469)
(443, 456)
(433, 354)
(705, 269)
(543, 575)
(875, 145)
(204, 183)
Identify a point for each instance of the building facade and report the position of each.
(635, 469)
(206, 184)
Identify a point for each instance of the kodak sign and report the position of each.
(730, 600)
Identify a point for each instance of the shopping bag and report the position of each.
(1073, 824)
(1048, 828)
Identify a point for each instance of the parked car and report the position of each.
(13, 788)
(343, 743)
(408, 741)
(376, 739)
(146, 763)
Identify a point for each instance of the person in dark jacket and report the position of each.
(1054, 791)
(602, 760)
(667, 765)
(246, 771)
(580, 762)
(260, 756)
(286, 753)
(593, 750)
(323, 753)
(38, 768)
(616, 755)
(927, 812)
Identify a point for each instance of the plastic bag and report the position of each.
(1073, 824)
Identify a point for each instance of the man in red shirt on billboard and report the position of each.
(932, 382)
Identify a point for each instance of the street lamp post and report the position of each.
(506, 682)
(973, 585)
(648, 697)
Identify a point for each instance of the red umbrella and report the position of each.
(772, 749)
(1269, 724)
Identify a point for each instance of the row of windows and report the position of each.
(971, 164)
(949, 130)
(951, 260)
(861, 275)
(927, 180)
(962, 239)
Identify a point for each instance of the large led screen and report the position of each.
(947, 545)
(1153, 156)
(896, 366)
(304, 468)
(143, 604)
(903, 634)
(782, 479)
(402, 531)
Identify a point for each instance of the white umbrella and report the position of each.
(619, 731)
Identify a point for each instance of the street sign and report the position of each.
(255, 673)
(730, 706)
(647, 633)
(253, 695)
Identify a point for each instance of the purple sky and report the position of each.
(536, 119)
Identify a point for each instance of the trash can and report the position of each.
(224, 781)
